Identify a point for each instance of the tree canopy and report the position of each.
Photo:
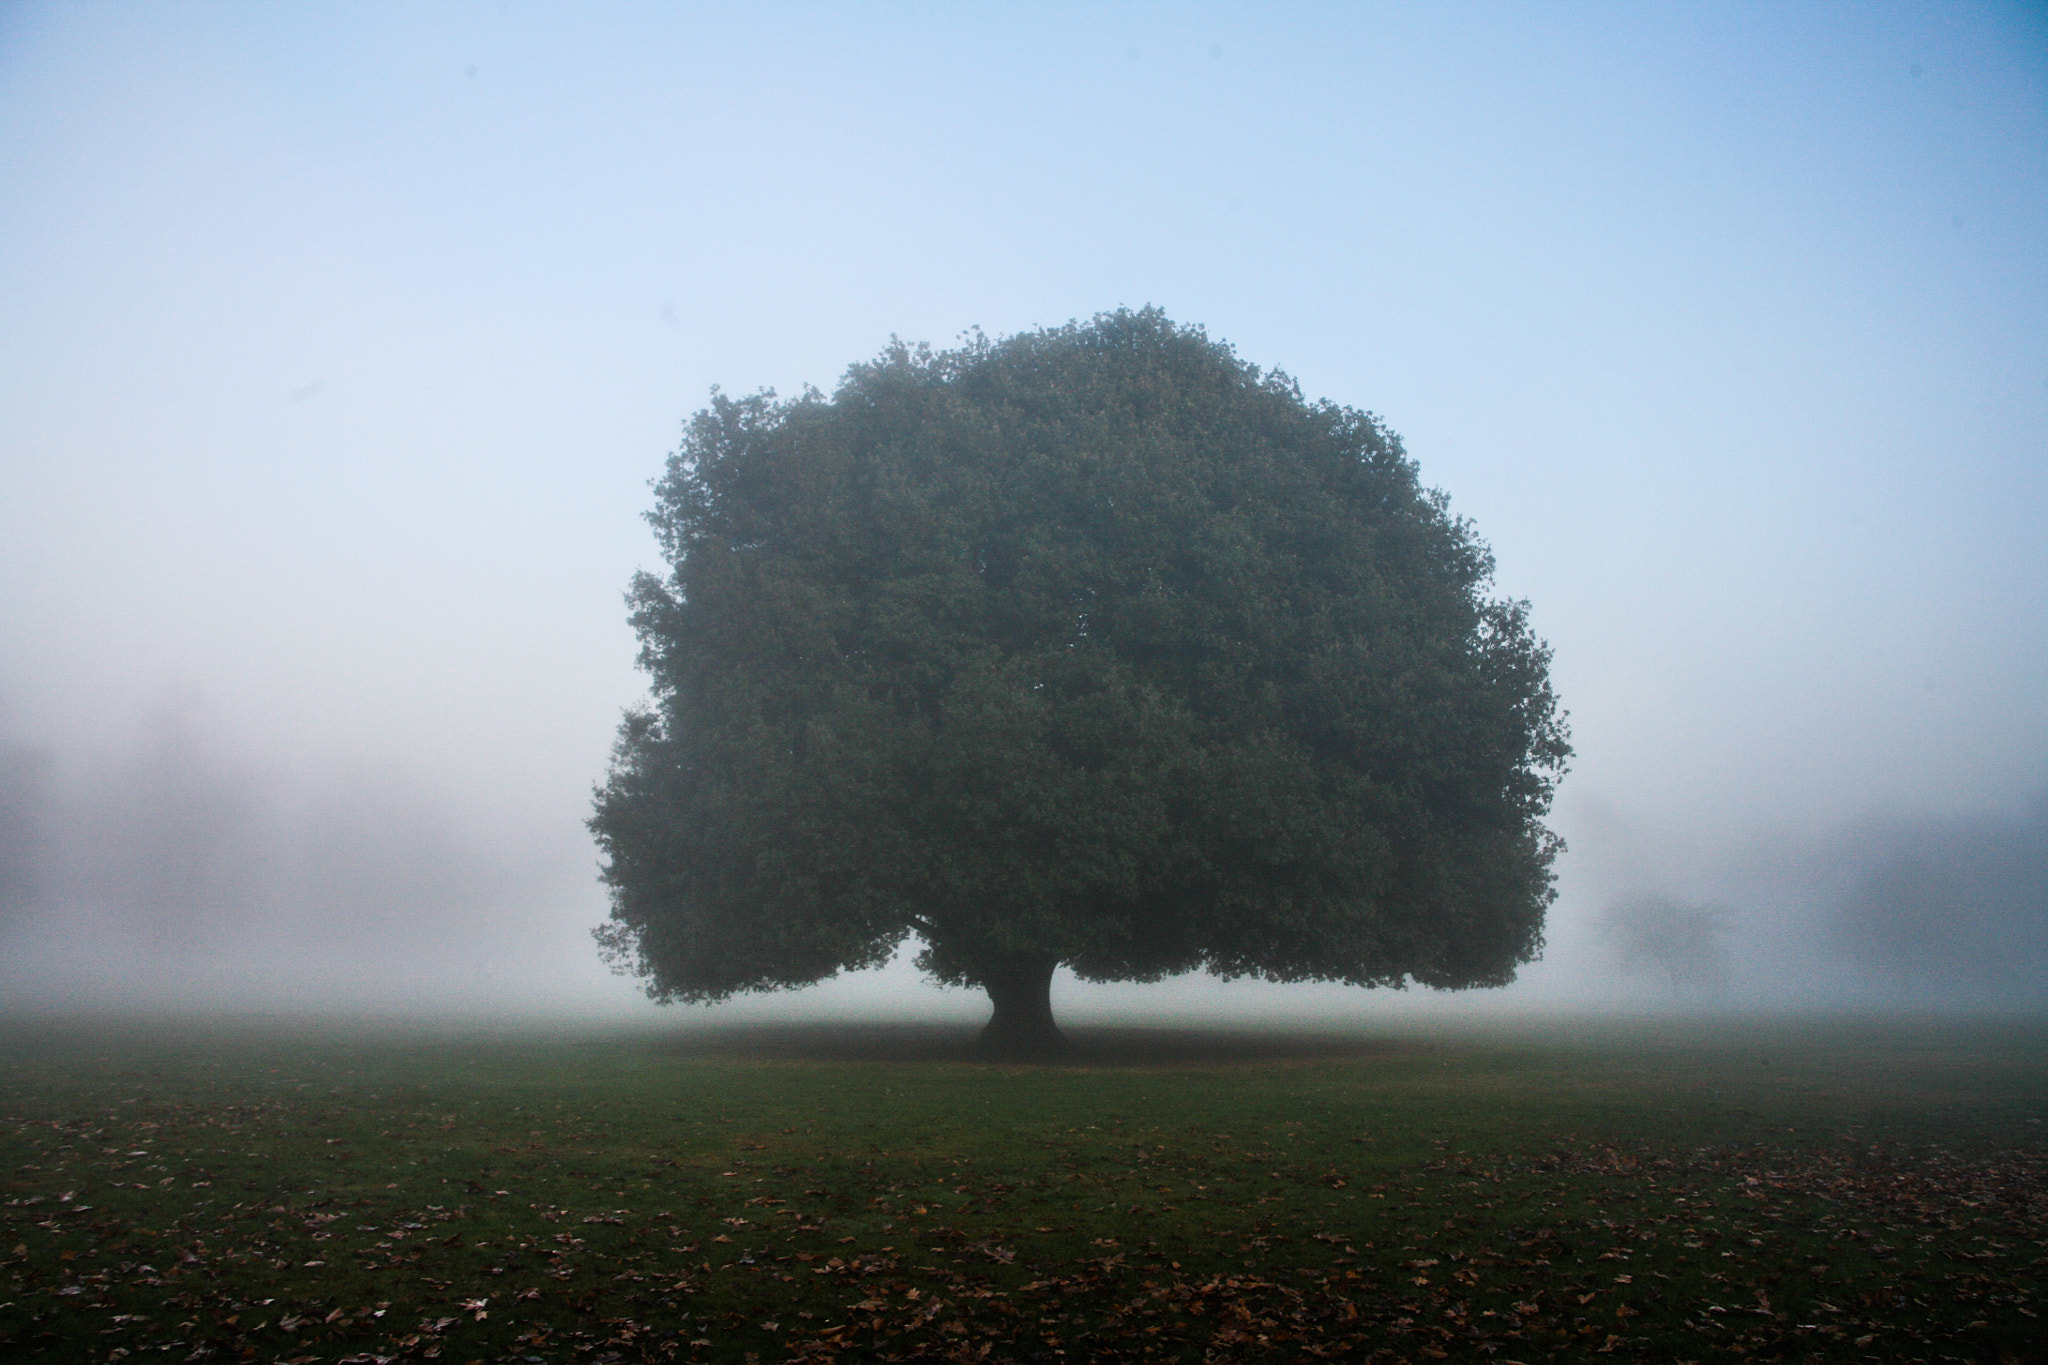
(1092, 646)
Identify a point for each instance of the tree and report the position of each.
(1093, 646)
(1652, 933)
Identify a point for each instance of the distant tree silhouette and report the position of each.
(1655, 934)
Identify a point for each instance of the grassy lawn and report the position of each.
(1844, 1189)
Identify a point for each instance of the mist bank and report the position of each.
(1893, 910)
(176, 869)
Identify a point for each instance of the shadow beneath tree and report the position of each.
(1092, 1045)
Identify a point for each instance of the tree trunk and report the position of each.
(1021, 1027)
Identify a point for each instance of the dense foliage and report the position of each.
(1094, 646)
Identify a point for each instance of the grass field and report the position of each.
(1848, 1189)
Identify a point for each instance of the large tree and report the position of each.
(1093, 646)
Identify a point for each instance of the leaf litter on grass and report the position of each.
(199, 1227)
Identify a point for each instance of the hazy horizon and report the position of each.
(340, 346)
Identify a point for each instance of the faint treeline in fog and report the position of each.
(26, 805)
(1910, 911)
(1934, 906)
(178, 860)
(167, 843)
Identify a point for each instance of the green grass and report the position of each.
(1830, 1190)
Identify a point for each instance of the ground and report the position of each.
(1796, 1189)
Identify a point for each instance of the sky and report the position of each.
(339, 343)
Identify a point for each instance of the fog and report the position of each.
(338, 346)
(175, 872)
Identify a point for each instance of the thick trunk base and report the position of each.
(1021, 1027)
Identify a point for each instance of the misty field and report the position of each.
(1798, 1190)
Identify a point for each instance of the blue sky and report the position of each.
(338, 344)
